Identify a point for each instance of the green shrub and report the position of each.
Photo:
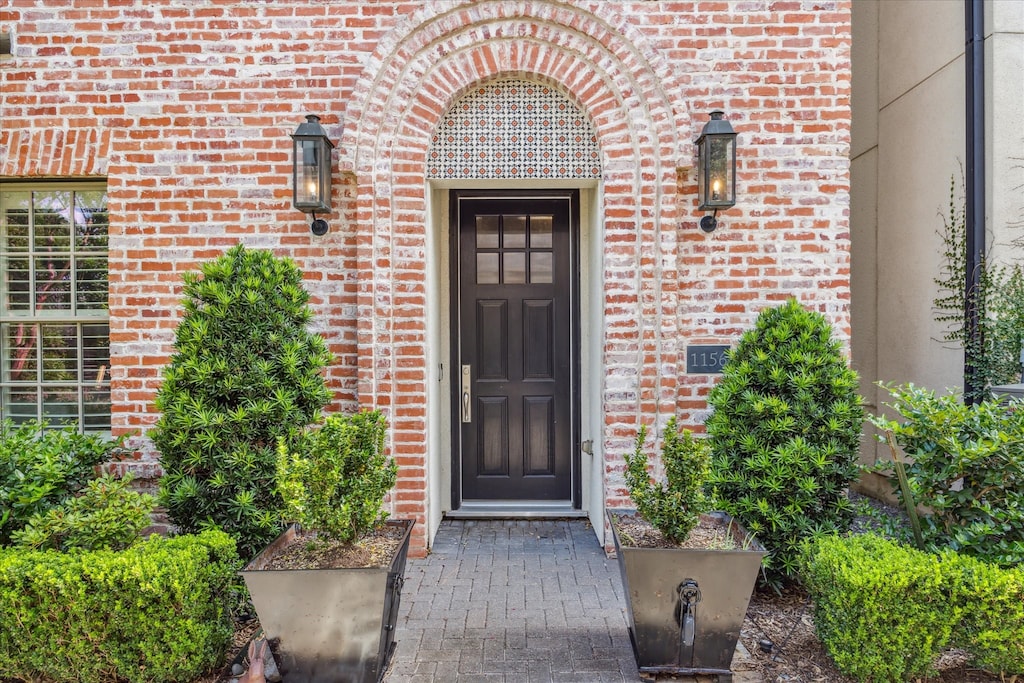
(333, 478)
(673, 507)
(153, 612)
(245, 371)
(882, 611)
(992, 628)
(967, 470)
(40, 467)
(784, 433)
(108, 515)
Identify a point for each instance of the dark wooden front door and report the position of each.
(515, 330)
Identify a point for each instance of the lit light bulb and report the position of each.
(716, 189)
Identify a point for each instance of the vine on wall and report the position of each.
(992, 353)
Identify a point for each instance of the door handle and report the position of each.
(466, 389)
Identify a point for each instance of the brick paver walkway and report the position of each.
(516, 601)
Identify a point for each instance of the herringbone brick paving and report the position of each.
(516, 601)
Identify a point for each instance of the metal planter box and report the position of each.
(686, 606)
(333, 624)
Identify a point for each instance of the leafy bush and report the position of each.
(884, 611)
(967, 470)
(108, 515)
(40, 467)
(153, 612)
(784, 433)
(245, 371)
(992, 628)
(674, 506)
(333, 478)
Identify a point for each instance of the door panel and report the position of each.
(515, 333)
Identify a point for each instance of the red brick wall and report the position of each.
(186, 109)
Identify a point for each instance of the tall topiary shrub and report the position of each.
(784, 433)
(245, 371)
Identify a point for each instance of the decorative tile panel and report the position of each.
(514, 129)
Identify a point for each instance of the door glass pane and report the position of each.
(540, 267)
(487, 232)
(515, 267)
(540, 232)
(487, 269)
(515, 232)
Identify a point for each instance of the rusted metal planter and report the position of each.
(333, 624)
(686, 606)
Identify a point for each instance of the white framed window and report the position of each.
(54, 329)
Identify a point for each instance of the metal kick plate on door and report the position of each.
(466, 388)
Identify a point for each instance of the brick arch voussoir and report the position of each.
(427, 29)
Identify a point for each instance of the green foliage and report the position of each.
(992, 628)
(992, 352)
(41, 467)
(674, 506)
(245, 371)
(108, 515)
(880, 609)
(967, 471)
(154, 612)
(784, 433)
(333, 478)
(884, 611)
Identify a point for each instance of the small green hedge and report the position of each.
(885, 611)
(157, 611)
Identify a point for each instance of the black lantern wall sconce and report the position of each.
(311, 171)
(716, 169)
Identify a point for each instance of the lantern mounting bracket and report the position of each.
(709, 223)
(318, 226)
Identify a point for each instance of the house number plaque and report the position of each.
(705, 358)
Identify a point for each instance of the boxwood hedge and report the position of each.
(157, 611)
(884, 611)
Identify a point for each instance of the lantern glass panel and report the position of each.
(307, 173)
(702, 174)
(720, 182)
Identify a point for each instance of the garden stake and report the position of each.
(908, 498)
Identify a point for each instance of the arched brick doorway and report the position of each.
(416, 75)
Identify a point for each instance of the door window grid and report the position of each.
(54, 331)
(514, 249)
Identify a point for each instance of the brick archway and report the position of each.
(417, 72)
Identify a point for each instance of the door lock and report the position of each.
(466, 389)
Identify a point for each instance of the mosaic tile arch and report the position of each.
(514, 129)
